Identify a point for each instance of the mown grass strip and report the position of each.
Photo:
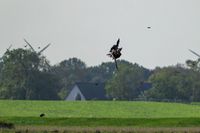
(35, 129)
(97, 109)
(96, 122)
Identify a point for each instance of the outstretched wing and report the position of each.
(118, 42)
(194, 53)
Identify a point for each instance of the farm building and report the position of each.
(87, 91)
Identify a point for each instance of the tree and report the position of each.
(172, 83)
(22, 73)
(100, 73)
(125, 83)
(46, 86)
(1, 67)
(69, 71)
(194, 65)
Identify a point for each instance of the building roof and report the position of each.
(92, 90)
(145, 86)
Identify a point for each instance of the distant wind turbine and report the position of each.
(39, 52)
(194, 53)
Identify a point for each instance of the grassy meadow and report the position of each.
(105, 115)
(97, 109)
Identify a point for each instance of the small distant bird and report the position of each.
(38, 47)
(42, 115)
(148, 27)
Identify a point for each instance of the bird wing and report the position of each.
(118, 42)
(194, 53)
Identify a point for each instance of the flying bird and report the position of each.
(115, 52)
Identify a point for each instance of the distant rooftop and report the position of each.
(92, 90)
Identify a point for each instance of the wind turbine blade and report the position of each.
(49, 66)
(44, 48)
(29, 45)
(7, 50)
(194, 53)
(9, 47)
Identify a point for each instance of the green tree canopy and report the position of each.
(125, 83)
(173, 83)
(69, 71)
(23, 76)
(194, 64)
(100, 73)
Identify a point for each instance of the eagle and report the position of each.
(115, 52)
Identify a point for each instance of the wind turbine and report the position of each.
(192, 63)
(194, 53)
(39, 52)
(34, 49)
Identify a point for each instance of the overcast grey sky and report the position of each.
(88, 28)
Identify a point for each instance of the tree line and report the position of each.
(24, 74)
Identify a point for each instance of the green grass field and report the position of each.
(97, 109)
(99, 114)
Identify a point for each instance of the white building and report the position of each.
(87, 91)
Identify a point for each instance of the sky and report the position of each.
(86, 29)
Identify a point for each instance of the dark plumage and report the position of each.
(42, 115)
(115, 52)
(118, 42)
(115, 47)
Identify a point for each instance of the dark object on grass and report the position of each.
(97, 131)
(55, 131)
(6, 125)
(42, 115)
